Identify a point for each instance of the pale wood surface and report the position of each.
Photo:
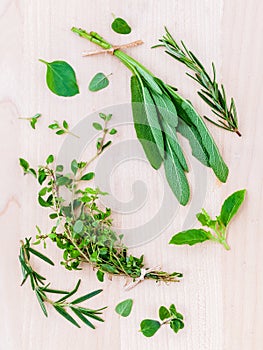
(221, 294)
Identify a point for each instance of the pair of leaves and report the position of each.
(228, 211)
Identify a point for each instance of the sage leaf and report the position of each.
(190, 116)
(149, 327)
(175, 175)
(120, 26)
(195, 141)
(164, 313)
(61, 78)
(231, 206)
(190, 237)
(166, 108)
(171, 136)
(98, 82)
(124, 308)
(141, 125)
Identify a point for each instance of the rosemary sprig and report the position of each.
(211, 92)
(41, 290)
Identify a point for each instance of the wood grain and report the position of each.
(221, 293)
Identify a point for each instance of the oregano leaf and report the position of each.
(149, 327)
(61, 78)
(124, 308)
(98, 82)
(120, 26)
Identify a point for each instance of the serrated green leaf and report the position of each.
(124, 308)
(190, 237)
(120, 26)
(98, 82)
(61, 78)
(231, 206)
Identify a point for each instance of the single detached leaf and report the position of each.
(164, 313)
(231, 206)
(190, 237)
(124, 308)
(120, 26)
(149, 327)
(98, 82)
(61, 78)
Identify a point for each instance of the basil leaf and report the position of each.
(164, 313)
(231, 206)
(141, 125)
(120, 26)
(149, 327)
(61, 78)
(171, 136)
(124, 308)
(176, 176)
(195, 141)
(190, 237)
(190, 116)
(98, 82)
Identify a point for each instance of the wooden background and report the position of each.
(221, 294)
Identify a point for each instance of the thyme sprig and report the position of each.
(211, 92)
(41, 289)
(83, 230)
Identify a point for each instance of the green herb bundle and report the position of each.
(82, 230)
(159, 113)
(211, 92)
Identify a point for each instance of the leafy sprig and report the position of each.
(83, 229)
(167, 317)
(42, 289)
(211, 92)
(61, 129)
(32, 120)
(218, 226)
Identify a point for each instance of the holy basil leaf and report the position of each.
(98, 82)
(190, 237)
(61, 78)
(231, 206)
(120, 26)
(149, 327)
(164, 313)
(124, 308)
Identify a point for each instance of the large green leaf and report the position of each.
(175, 175)
(61, 78)
(190, 116)
(231, 206)
(142, 128)
(171, 136)
(190, 237)
(195, 141)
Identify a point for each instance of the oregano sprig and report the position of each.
(167, 317)
(61, 129)
(211, 91)
(42, 289)
(32, 120)
(218, 227)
